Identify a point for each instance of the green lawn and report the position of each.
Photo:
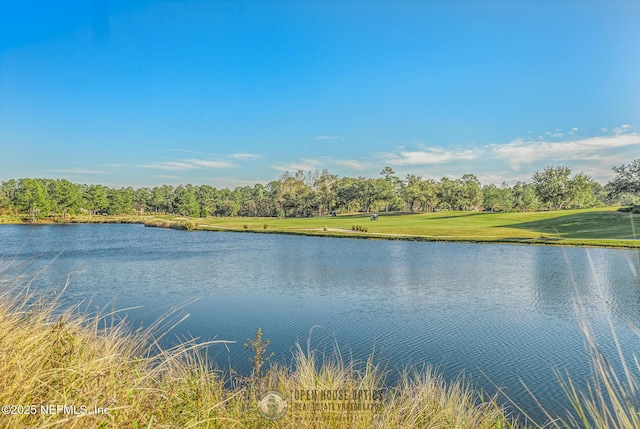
(598, 227)
(590, 227)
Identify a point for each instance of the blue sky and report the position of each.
(229, 93)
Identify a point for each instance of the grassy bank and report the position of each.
(591, 227)
(73, 371)
(17, 219)
(601, 227)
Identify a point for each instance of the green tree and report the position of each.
(491, 197)
(601, 194)
(263, 201)
(429, 194)
(65, 196)
(247, 203)
(157, 201)
(471, 192)
(497, 198)
(95, 198)
(391, 186)
(552, 186)
(163, 198)
(524, 197)
(207, 197)
(450, 193)
(366, 193)
(412, 191)
(229, 204)
(297, 196)
(8, 192)
(120, 201)
(627, 180)
(186, 203)
(582, 191)
(32, 198)
(274, 190)
(228, 208)
(346, 189)
(506, 197)
(325, 192)
(143, 197)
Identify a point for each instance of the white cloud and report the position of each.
(353, 164)
(194, 152)
(522, 151)
(170, 166)
(305, 164)
(518, 159)
(209, 164)
(622, 129)
(166, 176)
(187, 164)
(500, 177)
(230, 181)
(246, 156)
(326, 138)
(76, 171)
(435, 155)
(240, 155)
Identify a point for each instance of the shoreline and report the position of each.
(187, 224)
(548, 241)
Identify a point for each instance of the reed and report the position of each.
(55, 358)
(181, 225)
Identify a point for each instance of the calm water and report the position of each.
(499, 313)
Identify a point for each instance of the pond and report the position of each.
(504, 315)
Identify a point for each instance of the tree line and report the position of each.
(319, 193)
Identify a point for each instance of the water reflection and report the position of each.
(497, 311)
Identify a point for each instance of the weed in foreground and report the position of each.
(56, 359)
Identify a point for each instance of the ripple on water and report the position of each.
(501, 314)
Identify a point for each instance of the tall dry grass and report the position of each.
(181, 225)
(57, 358)
(612, 395)
(51, 358)
(611, 398)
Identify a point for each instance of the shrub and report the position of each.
(245, 226)
(184, 225)
(265, 226)
(634, 208)
(157, 223)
